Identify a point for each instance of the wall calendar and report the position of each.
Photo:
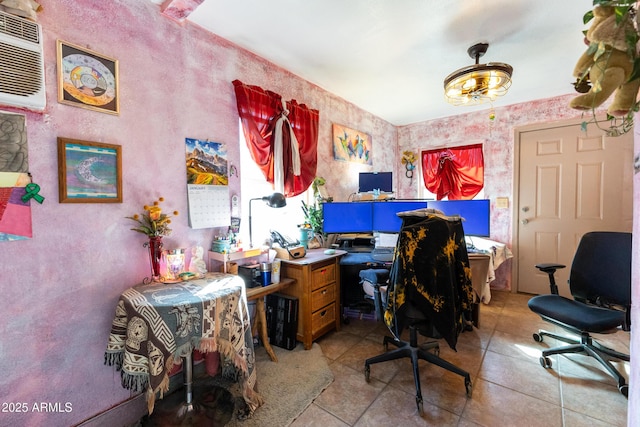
(207, 184)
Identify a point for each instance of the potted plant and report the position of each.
(313, 214)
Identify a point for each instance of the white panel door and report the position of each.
(570, 182)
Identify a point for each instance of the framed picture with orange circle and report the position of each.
(87, 79)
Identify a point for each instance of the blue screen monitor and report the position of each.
(369, 181)
(346, 217)
(476, 214)
(385, 219)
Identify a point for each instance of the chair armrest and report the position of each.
(549, 267)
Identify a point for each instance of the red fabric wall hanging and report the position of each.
(456, 173)
(259, 111)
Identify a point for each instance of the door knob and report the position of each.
(525, 209)
(525, 221)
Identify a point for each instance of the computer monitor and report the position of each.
(370, 181)
(476, 214)
(347, 217)
(385, 218)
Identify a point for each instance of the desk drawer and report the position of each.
(323, 275)
(323, 317)
(323, 296)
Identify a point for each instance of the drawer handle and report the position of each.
(324, 292)
(324, 270)
(322, 314)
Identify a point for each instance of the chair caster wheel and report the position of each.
(624, 389)
(545, 362)
(469, 387)
(367, 373)
(419, 405)
(537, 338)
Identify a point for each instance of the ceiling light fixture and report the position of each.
(477, 83)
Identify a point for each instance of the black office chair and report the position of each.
(431, 256)
(600, 283)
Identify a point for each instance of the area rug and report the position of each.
(287, 386)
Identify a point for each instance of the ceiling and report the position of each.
(390, 57)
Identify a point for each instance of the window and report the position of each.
(253, 185)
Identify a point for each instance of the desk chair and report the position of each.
(600, 283)
(431, 259)
(373, 281)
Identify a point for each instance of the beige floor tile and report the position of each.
(315, 416)
(579, 366)
(479, 337)
(574, 419)
(350, 394)
(523, 323)
(365, 349)
(359, 327)
(397, 408)
(467, 357)
(495, 405)
(510, 388)
(595, 399)
(336, 343)
(519, 374)
(520, 346)
(438, 386)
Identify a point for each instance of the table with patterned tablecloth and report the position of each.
(157, 323)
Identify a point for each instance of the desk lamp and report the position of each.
(276, 200)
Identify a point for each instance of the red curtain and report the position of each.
(259, 110)
(456, 173)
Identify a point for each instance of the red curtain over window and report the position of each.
(456, 173)
(259, 112)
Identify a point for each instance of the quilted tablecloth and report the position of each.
(156, 324)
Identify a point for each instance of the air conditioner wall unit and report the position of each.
(21, 63)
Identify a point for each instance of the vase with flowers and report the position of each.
(155, 225)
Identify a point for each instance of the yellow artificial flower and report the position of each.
(152, 221)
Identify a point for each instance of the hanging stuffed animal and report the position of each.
(607, 64)
(24, 8)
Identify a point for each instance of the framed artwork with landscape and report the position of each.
(89, 172)
(87, 79)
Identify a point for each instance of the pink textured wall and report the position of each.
(59, 289)
(497, 137)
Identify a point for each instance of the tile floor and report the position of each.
(510, 387)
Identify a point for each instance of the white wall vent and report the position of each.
(21, 63)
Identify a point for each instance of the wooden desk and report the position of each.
(260, 321)
(317, 287)
(479, 264)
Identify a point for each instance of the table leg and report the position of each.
(188, 407)
(261, 323)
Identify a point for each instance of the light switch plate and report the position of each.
(502, 202)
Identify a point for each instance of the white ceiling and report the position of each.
(390, 57)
